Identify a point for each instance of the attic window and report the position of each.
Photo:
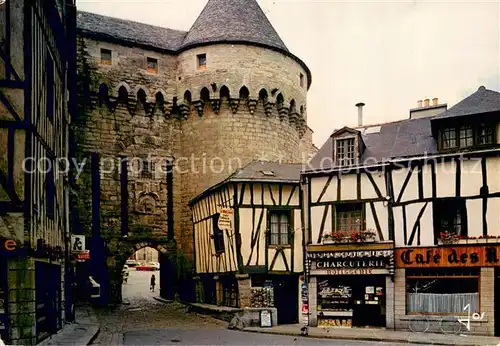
(301, 80)
(345, 152)
(268, 173)
(105, 56)
(202, 61)
(152, 65)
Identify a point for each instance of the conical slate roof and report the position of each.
(482, 101)
(233, 21)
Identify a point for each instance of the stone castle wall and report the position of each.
(209, 138)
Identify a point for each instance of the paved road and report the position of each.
(200, 336)
(137, 285)
(145, 321)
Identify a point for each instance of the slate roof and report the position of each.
(233, 21)
(407, 138)
(130, 31)
(482, 101)
(283, 172)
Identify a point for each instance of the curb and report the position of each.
(361, 338)
(163, 300)
(96, 334)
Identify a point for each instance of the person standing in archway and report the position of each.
(153, 283)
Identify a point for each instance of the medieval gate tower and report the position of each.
(212, 99)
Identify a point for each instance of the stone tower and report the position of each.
(214, 98)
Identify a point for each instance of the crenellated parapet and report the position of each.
(158, 104)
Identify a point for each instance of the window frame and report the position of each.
(438, 208)
(280, 211)
(345, 151)
(362, 212)
(153, 60)
(50, 190)
(433, 273)
(301, 79)
(218, 236)
(457, 130)
(103, 61)
(200, 66)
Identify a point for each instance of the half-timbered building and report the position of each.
(248, 240)
(34, 121)
(403, 221)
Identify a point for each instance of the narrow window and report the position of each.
(301, 80)
(349, 217)
(50, 190)
(450, 216)
(279, 222)
(202, 61)
(449, 138)
(105, 56)
(152, 65)
(485, 135)
(147, 171)
(49, 68)
(466, 137)
(218, 235)
(345, 152)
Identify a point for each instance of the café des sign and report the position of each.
(460, 256)
(363, 262)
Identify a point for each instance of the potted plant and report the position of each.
(327, 239)
(369, 235)
(448, 237)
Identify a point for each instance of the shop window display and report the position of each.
(442, 292)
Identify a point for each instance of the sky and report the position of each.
(386, 54)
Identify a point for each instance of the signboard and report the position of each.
(77, 243)
(8, 245)
(225, 219)
(371, 262)
(265, 319)
(83, 256)
(459, 256)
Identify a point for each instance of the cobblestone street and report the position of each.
(141, 312)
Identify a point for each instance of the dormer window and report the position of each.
(466, 136)
(485, 135)
(346, 152)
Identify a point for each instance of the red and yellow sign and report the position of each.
(8, 245)
(459, 256)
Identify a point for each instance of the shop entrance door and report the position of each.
(286, 295)
(369, 301)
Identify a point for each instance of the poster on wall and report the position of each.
(77, 243)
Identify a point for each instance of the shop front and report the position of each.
(447, 289)
(350, 286)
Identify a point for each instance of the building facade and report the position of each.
(208, 101)
(35, 290)
(402, 221)
(248, 240)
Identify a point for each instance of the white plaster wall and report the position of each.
(427, 181)
(348, 186)
(493, 174)
(474, 217)
(446, 179)
(299, 253)
(318, 184)
(367, 189)
(245, 215)
(287, 190)
(471, 178)
(382, 219)
(398, 178)
(398, 226)
(493, 216)
(316, 216)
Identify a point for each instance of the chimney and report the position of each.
(435, 101)
(426, 102)
(419, 104)
(360, 113)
